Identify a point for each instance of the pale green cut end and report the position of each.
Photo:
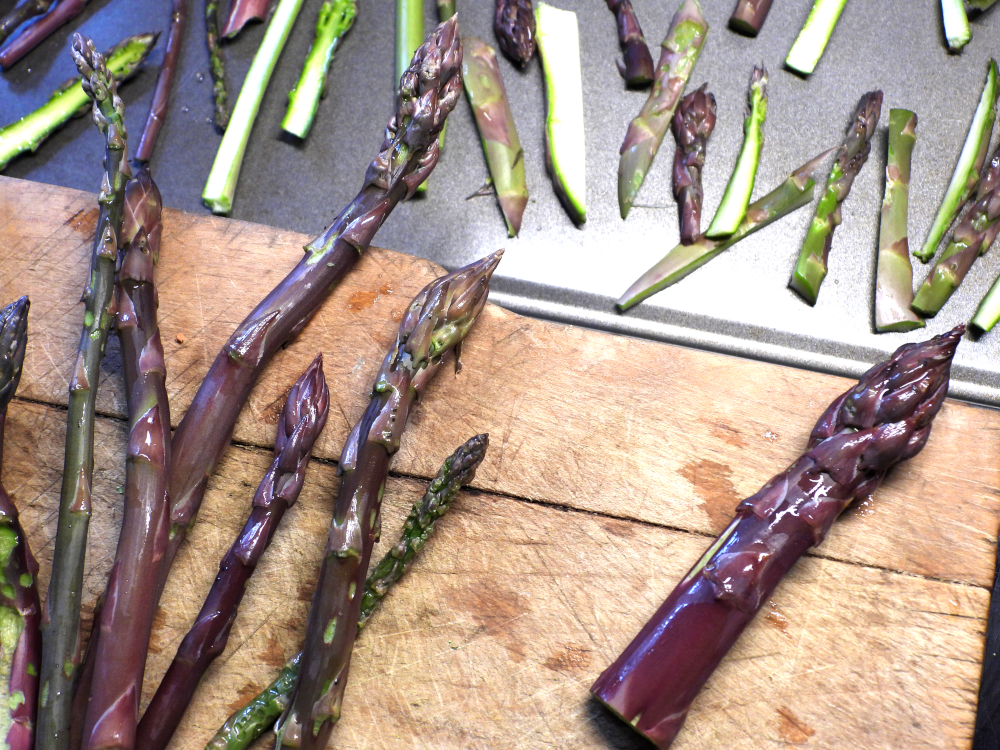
(812, 40)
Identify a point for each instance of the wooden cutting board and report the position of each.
(612, 463)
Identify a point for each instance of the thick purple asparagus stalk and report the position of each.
(161, 94)
(637, 69)
(241, 12)
(301, 423)
(39, 31)
(693, 123)
(514, 25)
(883, 420)
(21, 14)
(749, 16)
(436, 322)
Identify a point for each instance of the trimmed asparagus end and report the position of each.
(815, 35)
(988, 312)
(956, 24)
(749, 16)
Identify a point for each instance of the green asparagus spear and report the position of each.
(980, 5)
(409, 32)
(216, 66)
(446, 9)
(988, 312)
(740, 187)
(956, 24)
(811, 267)
(815, 35)
(70, 100)
(678, 55)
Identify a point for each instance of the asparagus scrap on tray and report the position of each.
(956, 24)
(33, 35)
(242, 12)
(637, 68)
(815, 35)
(692, 125)
(514, 25)
(886, 418)
(164, 82)
(216, 65)
(749, 16)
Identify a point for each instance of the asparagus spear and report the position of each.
(20, 609)
(21, 14)
(70, 100)
(241, 12)
(446, 9)
(565, 144)
(64, 12)
(514, 25)
(956, 24)
(988, 312)
(637, 70)
(749, 16)
(504, 155)
(883, 420)
(61, 630)
(409, 32)
(796, 191)
(301, 422)
(970, 161)
(894, 277)
(216, 66)
(851, 157)
(437, 321)
(248, 724)
(740, 187)
(678, 55)
(334, 21)
(161, 94)
(693, 123)
(221, 184)
(815, 35)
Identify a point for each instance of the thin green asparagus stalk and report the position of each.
(446, 9)
(409, 36)
(988, 312)
(811, 267)
(678, 55)
(894, 278)
(334, 21)
(956, 24)
(221, 184)
(216, 65)
(61, 631)
(735, 200)
(970, 161)
(794, 193)
(70, 100)
(815, 35)
(504, 155)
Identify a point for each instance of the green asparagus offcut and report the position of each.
(980, 5)
(558, 36)
(737, 196)
(988, 312)
(851, 157)
(970, 161)
(409, 36)
(794, 193)
(815, 35)
(70, 100)
(894, 278)
(335, 20)
(221, 184)
(956, 24)
(446, 9)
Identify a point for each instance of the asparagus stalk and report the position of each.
(248, 724)
(504, 155)
(436, 322)
(956, 24)
(749, 16)
(894, 277)
(70, 100)
(221, 184)
(334, 21)
(64, 12)
(216, 66)
(20, 634)
(514, 26)
(61, 630)
(988, 312)
(446, 9)
(693, 123)
(883, 420)
(161, 94)
(241, 12)
(811, 42)
(740, 187)
(21, 14)
(409, 32)
(980, 5)
(565, 142)
(794, 193)
(970, 161)
(637, 69)
(678, 55)
(301, 422)
(810, 270)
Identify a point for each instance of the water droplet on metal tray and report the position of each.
(185, 109)
(199, 77)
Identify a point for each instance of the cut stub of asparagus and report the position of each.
(637, 68)
(21, 14)
(504, 155)
(749, 16)
(794, 193)
(40, 30)
(810, 270)
(956, 24)
(678, 54)
(886, 418)
(70, 100)
(334, 21)
(436, 322)
(740, 187)
(988, 312)
(514, 26)
(815, 35)
(693, 123)
(894, 275)
(970, 162)
(241, 12)
(565, 141)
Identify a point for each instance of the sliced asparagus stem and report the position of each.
(216, 66)
(815, 35)
(161, 94)
(64, 12)
(20, 14)
(514, 26)
(894, 276)
(735, 200)
(988, 312)
(749, 16)
(637, 68)
(241, 12)
(956, 24)
(692, 125)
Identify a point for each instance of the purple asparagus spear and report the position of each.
(693, 123)
(637, 68)
(514, 25)
(241, 12)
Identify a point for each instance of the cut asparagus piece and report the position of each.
(980, 5)
(678, 54)
(21, 14)
(637, 68)
(241, 12)
(693, 123)
(504, 156)
(988, 312)
(794, 193)
(815, 35)
(735, 200)
(956, 24)
(810, 270)
(514, 26)
(64, 12)
(334, 21)
(409, 36)
(164, 81)
(749, 16)
(565, 142)
(885, 419)
(446, 9)
(216, 66)
(970, 161)
(894, 276)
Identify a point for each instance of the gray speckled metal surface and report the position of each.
(738, 303)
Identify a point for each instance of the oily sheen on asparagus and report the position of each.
(693, 123)
(886, 418)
